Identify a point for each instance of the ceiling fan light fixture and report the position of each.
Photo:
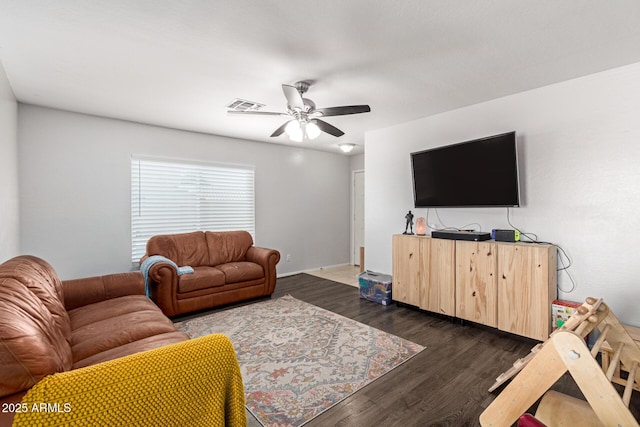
(293, 127)
(294, 131)
(313, 131)
(346, 147)
(297, 137)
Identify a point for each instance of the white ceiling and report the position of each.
(178, 63)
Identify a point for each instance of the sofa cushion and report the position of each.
(108, 324)
(183, 249)
(227, 246)
(235, 272)
(107, 309)
(144, 344)
(201, 278)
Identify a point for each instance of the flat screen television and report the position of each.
(478, 173)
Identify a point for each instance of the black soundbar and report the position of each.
(474, 236)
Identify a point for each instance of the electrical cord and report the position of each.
(565, 269)
(444, 227)
(466, 227)
(561, 253)
(442, 223)
(533, 239)
(428, 223)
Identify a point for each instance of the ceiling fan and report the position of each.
(304, 116)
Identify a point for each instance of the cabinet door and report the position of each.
(406, 269)
(439, 291)
(476, 293)
(526, 288)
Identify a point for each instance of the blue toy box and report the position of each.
(375, 287)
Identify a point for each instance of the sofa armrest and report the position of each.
(192, 383)
(89, 290)
(163, 287)
(267, 258)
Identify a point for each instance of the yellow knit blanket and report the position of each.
(191, 383)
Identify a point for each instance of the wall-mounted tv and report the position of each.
(478, 173)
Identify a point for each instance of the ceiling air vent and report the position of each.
(244, 105)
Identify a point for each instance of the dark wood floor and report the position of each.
(444, 385)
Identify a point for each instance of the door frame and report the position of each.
(355, 252)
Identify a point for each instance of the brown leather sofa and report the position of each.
(48, 326)
(227, 268)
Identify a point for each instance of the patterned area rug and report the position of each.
(298, 360)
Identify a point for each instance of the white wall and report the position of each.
(9, 205)
(357, 162)
(75, 191)
(579, 156)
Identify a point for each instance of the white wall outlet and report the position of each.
(288, 257)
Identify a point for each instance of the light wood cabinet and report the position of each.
(476, 284)
(527, 286)
(423, 273)
(407, 254)
(438, 290)
(506, 285)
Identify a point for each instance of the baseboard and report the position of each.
(293, 273)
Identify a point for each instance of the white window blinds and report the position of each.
(179, 197)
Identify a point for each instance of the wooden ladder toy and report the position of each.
(566, 350)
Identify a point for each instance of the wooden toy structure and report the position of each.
(566, 350)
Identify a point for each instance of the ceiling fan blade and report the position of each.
(342, 111)
(326, 127)
(258, 113)
(294, 99)
(280, 130)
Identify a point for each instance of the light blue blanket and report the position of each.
(147, 263)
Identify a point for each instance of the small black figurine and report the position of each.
(409, 218)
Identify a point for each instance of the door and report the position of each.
(438, 276)
(476, 284)
(407, 280)
(526, 287)
(358, 215)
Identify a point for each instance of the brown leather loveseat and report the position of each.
(226, 268)
(53, 326)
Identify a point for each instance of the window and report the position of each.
(179, 197)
